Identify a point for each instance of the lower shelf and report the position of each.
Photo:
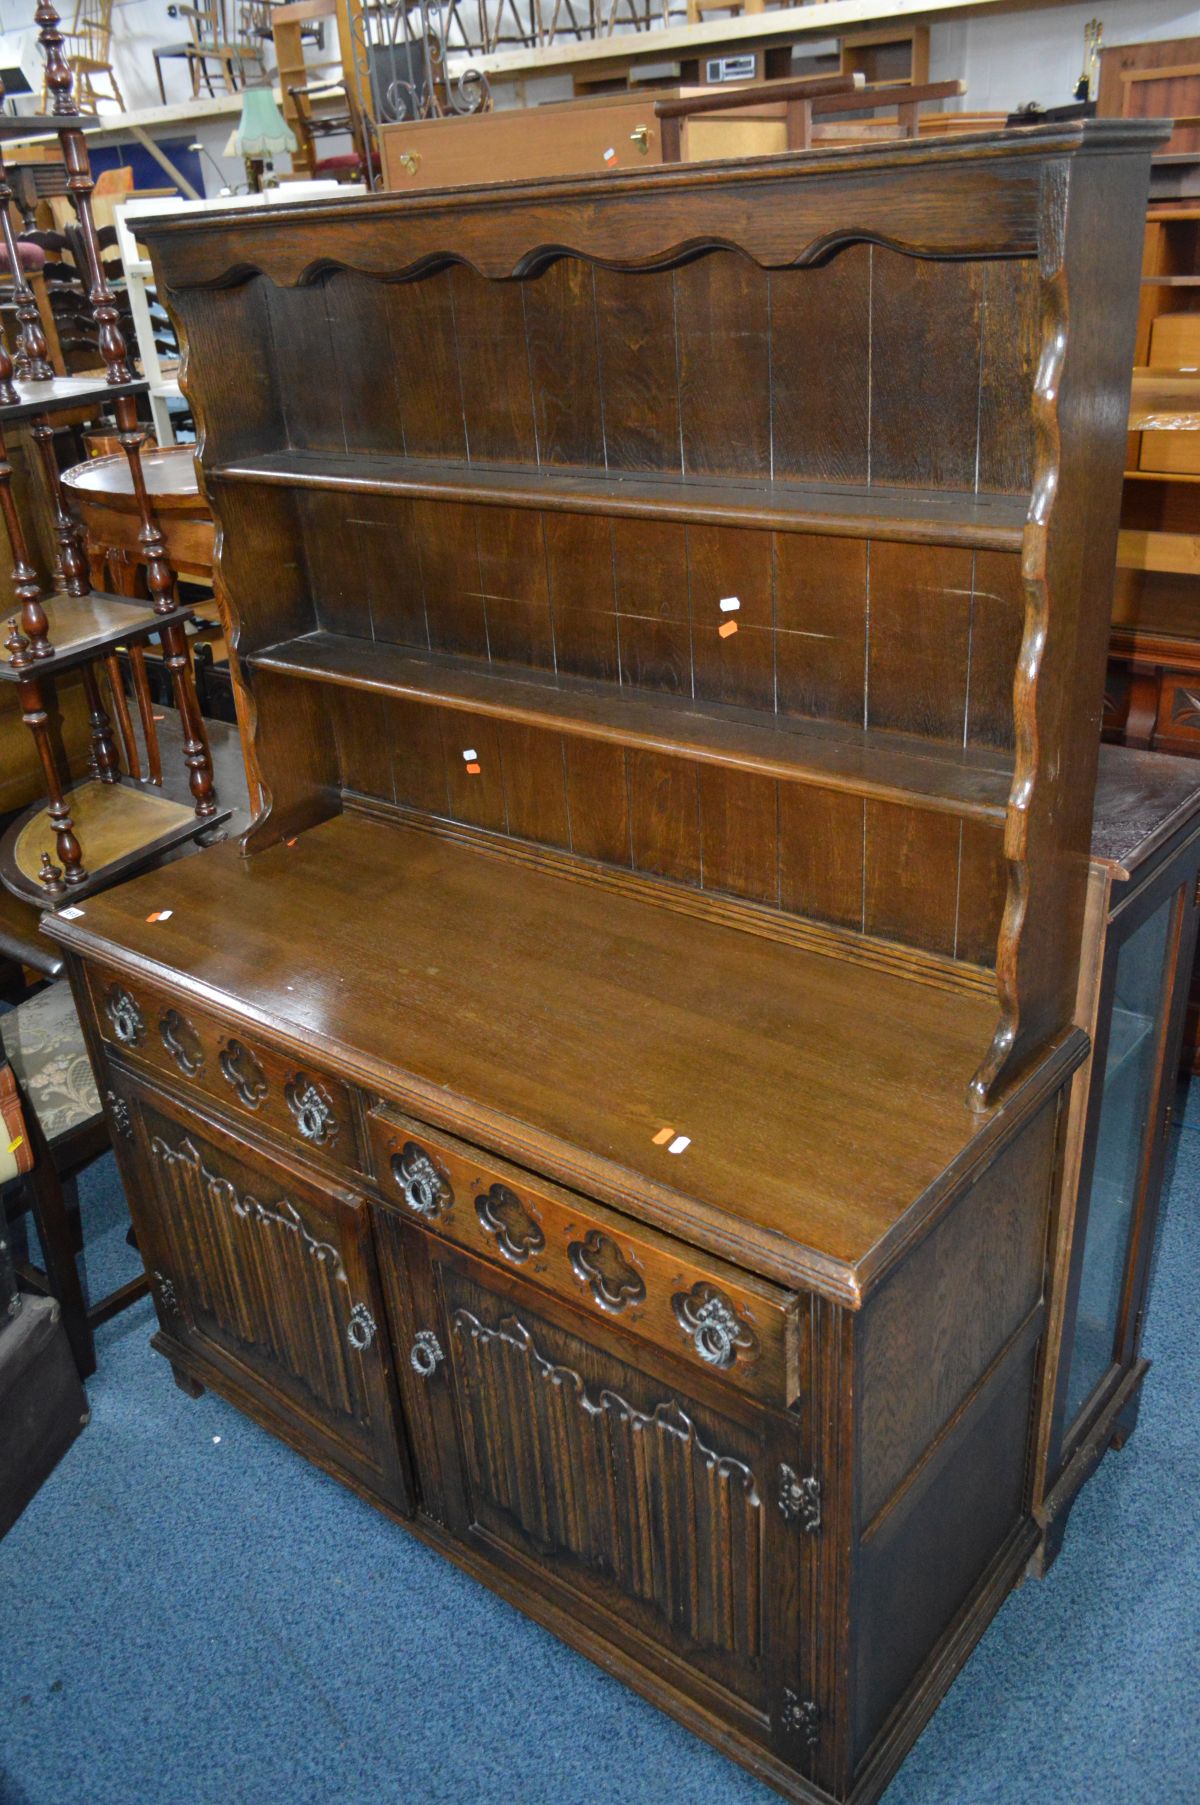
(878, 762)
(120, 826)
(83, 627)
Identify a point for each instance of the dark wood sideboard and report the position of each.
(609, 1109)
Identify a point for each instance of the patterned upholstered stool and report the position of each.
(43, 1042)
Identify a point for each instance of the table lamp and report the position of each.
(261, 134)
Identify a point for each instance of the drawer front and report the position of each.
(167, 1035)
(698, 1308)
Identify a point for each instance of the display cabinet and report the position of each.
(609, 1108)
(1139, 941)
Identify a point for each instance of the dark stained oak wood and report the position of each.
(923, 514)
(880, 1125)
(962, 781)
(667, 614)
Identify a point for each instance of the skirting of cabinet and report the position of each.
(1110, 1429)
(905, 1725)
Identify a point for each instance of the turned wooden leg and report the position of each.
(33, 354)
(104, 746)
(196, 755)
(34, 714)
(34, 624)
(116, 689)
(145, 707)
(72, 546)
(54, 1232)
(8, 388)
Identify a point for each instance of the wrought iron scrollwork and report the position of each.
(312, 1108)
(426, 1189)
(515, 1228)
(241, 1070)
(598, 1263)
(712, 1325)
(128, 1022)
(401, 61)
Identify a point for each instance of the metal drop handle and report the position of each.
(426, 1354)
(360, 1330)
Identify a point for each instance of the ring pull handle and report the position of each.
(426, 1354)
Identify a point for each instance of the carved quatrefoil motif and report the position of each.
(427, 1190)
(182, 1042)
(517, 1230)
(241, 1070)
(312, 1108)
(128, 1022)
(712, 1325)
(598, 1262)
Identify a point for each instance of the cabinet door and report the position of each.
(1137, 1049)
(266, 1274)
(662, 1510)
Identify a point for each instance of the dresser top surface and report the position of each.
(568, 1025)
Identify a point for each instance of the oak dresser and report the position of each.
(608, 1108)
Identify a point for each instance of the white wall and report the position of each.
(1036, 53)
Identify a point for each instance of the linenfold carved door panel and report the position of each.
(259, 1265)
(642, 1492)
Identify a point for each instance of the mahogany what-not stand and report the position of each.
(126, 824)
(609, 1109)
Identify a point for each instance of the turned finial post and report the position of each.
(50, 877)
(26, 587)
(32, 356)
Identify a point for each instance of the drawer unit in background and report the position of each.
(696, 1308)
(306, 1106)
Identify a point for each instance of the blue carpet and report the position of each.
(192, 1615)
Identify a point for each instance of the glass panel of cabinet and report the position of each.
(1138, 944)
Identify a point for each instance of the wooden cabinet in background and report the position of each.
(1139, 942)
(610, 1107)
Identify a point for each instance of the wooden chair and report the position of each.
(88, 49)
(65, 1127)
(342, 166)
(239, 54)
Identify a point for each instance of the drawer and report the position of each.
(167, 1035)
(692, 1306)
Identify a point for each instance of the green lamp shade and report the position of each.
(262, 131)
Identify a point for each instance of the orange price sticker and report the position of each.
(726, 628)
(663, 1136)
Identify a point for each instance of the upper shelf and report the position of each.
(59, 393)
(17, 128)
(848, 510)
(874, 762)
